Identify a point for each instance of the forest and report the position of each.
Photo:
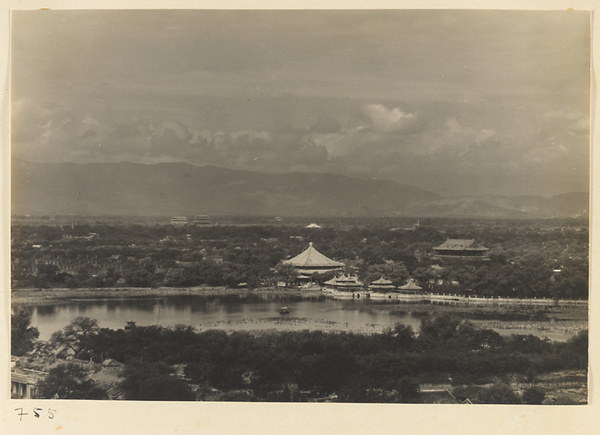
(545, 258)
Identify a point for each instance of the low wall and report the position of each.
(451, 298)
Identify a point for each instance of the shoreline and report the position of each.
(36, 296)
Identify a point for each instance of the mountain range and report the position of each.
(170, 189)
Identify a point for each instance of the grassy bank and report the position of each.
(559, 322)
(478, 312)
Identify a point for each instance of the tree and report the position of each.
(394, 271)
(438, 329)
(22, 334)
(475, 339)
(326, 372)
(138, 278)
(69, 381)
(286, 273)
(572, 282)
(49, 274)
(404, 336)
(75, 338)
(153, 381)
(498, 394)
(534, 395)
(575, 350)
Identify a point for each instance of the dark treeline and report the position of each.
(296, 366)
(527, 258)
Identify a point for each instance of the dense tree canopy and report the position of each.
(69, 381)
(75, 338)
(22, 334)
(541, 259)
(386, 367)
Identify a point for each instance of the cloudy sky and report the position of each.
(456, 102)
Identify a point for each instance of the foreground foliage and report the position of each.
(69, 381)
(293, 366)
(22, 334)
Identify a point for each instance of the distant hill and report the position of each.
(170, 189)
(574, 204)
(464, 207)
(183, 189)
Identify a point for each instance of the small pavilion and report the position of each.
(410, 287)
(345, 283)
(382, 285)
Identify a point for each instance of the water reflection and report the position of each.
(243, 312)
(45, 310)
(230, 312)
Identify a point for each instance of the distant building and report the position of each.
(23, 382)
(313, 225)
(410, 287)
(411, 228)
(202, 219)
(382, 285)
(345, 283)
(179, 221)
(461, 249)
(312, 261)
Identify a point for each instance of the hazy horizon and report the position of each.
(296, 172)
(453, 102)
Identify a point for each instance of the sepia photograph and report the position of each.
(368, 206)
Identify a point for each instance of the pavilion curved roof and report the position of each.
(344, 281)
(382, 281)
(312, 258)
(410, 285)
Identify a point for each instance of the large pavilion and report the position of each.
(311, 262)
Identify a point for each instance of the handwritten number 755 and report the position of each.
(36, 414)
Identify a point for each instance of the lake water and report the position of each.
(233, 312)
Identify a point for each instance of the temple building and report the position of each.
(312, 262)
(462, 250)
(202, 219)
(23, 381)
(382, 285)
(410, 287)
(345, 283)
(179, 221)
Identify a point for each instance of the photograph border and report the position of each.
(76, 417)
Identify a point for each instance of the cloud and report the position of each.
(559, 122)
(386, 120)
(455, 141)
(258, 150)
